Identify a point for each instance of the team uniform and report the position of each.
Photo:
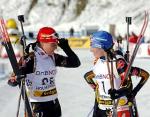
(41, 69)
(99, 79)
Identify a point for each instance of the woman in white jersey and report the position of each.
(40, 68)
(107, 78)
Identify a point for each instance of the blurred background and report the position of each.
(77, 14)
(75, 20)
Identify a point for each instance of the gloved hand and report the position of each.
(118, 52)
(15, 80)
(63, 43)
(114, 94)
(12, 81)
(131, 95)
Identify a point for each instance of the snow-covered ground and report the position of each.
(75, 96)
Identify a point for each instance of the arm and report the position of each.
(26, 66)
(89, 79)
(144, 75)
(71, 60)
(126, 85)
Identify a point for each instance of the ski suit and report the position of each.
(40, 70)
(99, 79)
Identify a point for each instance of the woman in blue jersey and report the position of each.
(107, 78)
(40, 69)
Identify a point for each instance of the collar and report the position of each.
(41, 52)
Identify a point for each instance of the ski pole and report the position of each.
(111, 74)
(112, 86)
(27, 104)
(128, 21)
(23, 37)
(90, 112)
(140, 37)
(19, 101)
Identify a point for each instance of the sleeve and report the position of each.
(89, 79)
(26, 63)
(26, 66)
(29, 65)
(144, 75)
(70, 61)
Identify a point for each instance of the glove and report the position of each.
(114, 94)
(119, 52)
(15, 80)
(131, 95)
(63, 43)
(12, 81)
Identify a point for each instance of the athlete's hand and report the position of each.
(63, 43)
(118, 52)
(114, 94)
(12, 81)
(131, 95)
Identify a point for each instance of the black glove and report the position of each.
(12, 82)
(63, 43)
(15, 80)
(131, 95)
(114, 94)
(118, 52)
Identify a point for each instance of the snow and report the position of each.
(62, 13)
(76, 97)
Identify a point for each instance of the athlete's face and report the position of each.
(49, 48)
(97, 52)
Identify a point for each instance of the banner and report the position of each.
(79, 42)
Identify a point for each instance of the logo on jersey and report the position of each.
(123, 101)
(38, 93)
(104, 76)
(52, 72)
